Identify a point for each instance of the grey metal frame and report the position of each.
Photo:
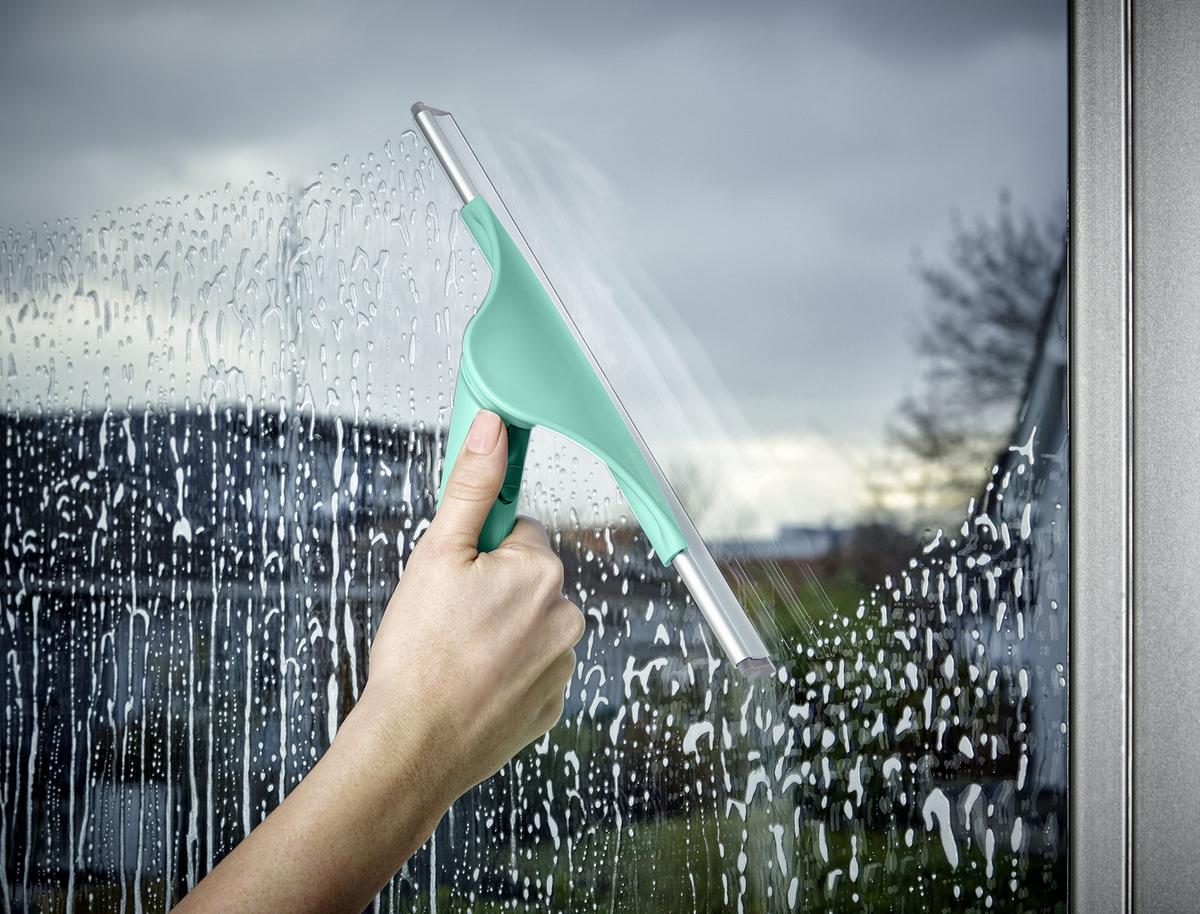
(1101, 287)
(1166, 472)
(1135, 275)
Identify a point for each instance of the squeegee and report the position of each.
(524, 359)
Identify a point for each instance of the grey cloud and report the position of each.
(777, 161)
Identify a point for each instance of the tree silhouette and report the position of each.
(977, 340)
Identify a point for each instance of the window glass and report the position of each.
(223, 426)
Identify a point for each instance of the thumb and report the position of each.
(474, 483)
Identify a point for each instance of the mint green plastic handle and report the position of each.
(521, 361)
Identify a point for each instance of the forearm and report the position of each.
(469, 664)
(368, 804)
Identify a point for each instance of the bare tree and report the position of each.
(987, 299)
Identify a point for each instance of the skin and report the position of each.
(468, 667)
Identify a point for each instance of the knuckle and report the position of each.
(575, 623)
(550, 570)
(568, 662)
(470, 486)
(541, 568)
(533, 525)
(428, 550)
(552, 711)
(439, 548)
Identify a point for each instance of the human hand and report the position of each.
(474, 650)
(468, 666)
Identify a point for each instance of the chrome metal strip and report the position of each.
(1100, 448)
(724, 614)
(1165, 807)
(426, 119)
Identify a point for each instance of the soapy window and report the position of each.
(224, 423)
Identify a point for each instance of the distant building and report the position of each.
(792, 543)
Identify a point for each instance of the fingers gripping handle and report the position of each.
(503, 516)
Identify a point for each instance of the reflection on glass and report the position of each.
(222, 431)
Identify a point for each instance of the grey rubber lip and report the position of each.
(755, 667)
(418, 107)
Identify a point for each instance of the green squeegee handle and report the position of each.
(521, 361)
(503, 516)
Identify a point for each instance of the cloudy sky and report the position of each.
(773, 165)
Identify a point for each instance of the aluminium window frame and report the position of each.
(1101, 444)
(1135, 489)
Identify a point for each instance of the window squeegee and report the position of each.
(524, 359)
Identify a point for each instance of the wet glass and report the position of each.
(223, 426)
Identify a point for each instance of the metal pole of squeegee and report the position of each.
(721, 610)
(426, 119)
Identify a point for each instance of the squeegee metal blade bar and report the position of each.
(738, 637)
(426, 119)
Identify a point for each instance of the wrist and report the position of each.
(405, 750)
